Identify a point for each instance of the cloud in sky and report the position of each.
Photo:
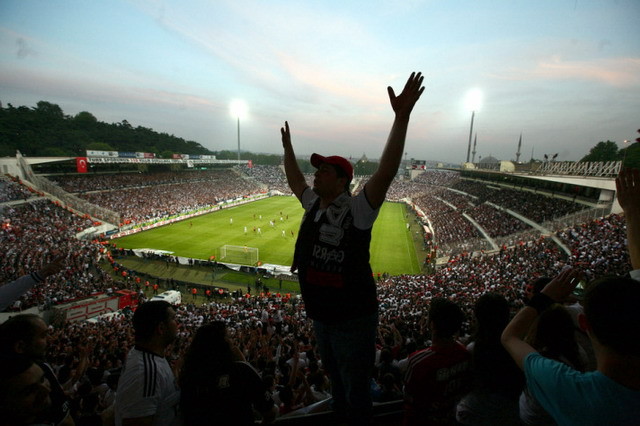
(23, 48)
(620, 72)
(560, 72)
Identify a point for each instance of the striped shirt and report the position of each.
(147, 387)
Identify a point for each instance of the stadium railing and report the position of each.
(70, 200)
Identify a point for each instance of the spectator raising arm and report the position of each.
(628, 193)
(295, 178)
(376, 187)
(556, 291)
(12, 291)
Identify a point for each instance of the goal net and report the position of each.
(242, 255)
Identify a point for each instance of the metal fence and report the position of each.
(68, 199)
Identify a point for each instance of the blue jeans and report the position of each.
(348, 352)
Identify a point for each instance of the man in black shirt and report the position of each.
(332, 257)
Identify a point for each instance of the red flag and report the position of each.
(81, 164)
(250, 164)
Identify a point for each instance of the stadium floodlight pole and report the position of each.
(238, 138)
(473, 114)
(473, 101)
(238, 110)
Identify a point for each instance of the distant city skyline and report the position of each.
(564, 74)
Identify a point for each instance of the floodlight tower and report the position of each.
(238, 110)
(475, 141)
(473, 102)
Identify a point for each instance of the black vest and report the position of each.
(332, 257)
(60, 406)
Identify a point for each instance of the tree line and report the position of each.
(609, 151)
(44, 130)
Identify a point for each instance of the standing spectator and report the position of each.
(438, 376)
(147, 392)
(217, 385)
(332, 257)
(497, 379)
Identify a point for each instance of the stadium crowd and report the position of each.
(113, 181)
(11, 190)
(536, 207)
(450, 227)
(460, 201)
(20, 231)
(496, 222)
(158, 200)
(449, 198)
(32, 235)
(270, 177)
(272, 331)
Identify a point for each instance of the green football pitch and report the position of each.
(392, 247)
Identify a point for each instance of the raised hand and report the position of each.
(286, 135)
(295, 178)
(628, 190)
(52, 268)
(563, 285)
(403, 103)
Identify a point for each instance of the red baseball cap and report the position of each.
(317, 160)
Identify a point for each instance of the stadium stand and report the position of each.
(271, 331)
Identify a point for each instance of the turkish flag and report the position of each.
(81, 164)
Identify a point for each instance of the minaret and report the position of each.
(473, 114)
(519, 146)
(475, 140)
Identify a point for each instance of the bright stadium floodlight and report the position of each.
(472, 102)
(238, 109)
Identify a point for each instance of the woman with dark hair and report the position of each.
(497, 379)
(217, 385)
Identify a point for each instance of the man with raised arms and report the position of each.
(332, 257)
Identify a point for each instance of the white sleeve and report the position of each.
(635, 274)
(134, 396)
(308, 198)
(363, 214)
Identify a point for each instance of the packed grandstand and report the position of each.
(271, 329)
